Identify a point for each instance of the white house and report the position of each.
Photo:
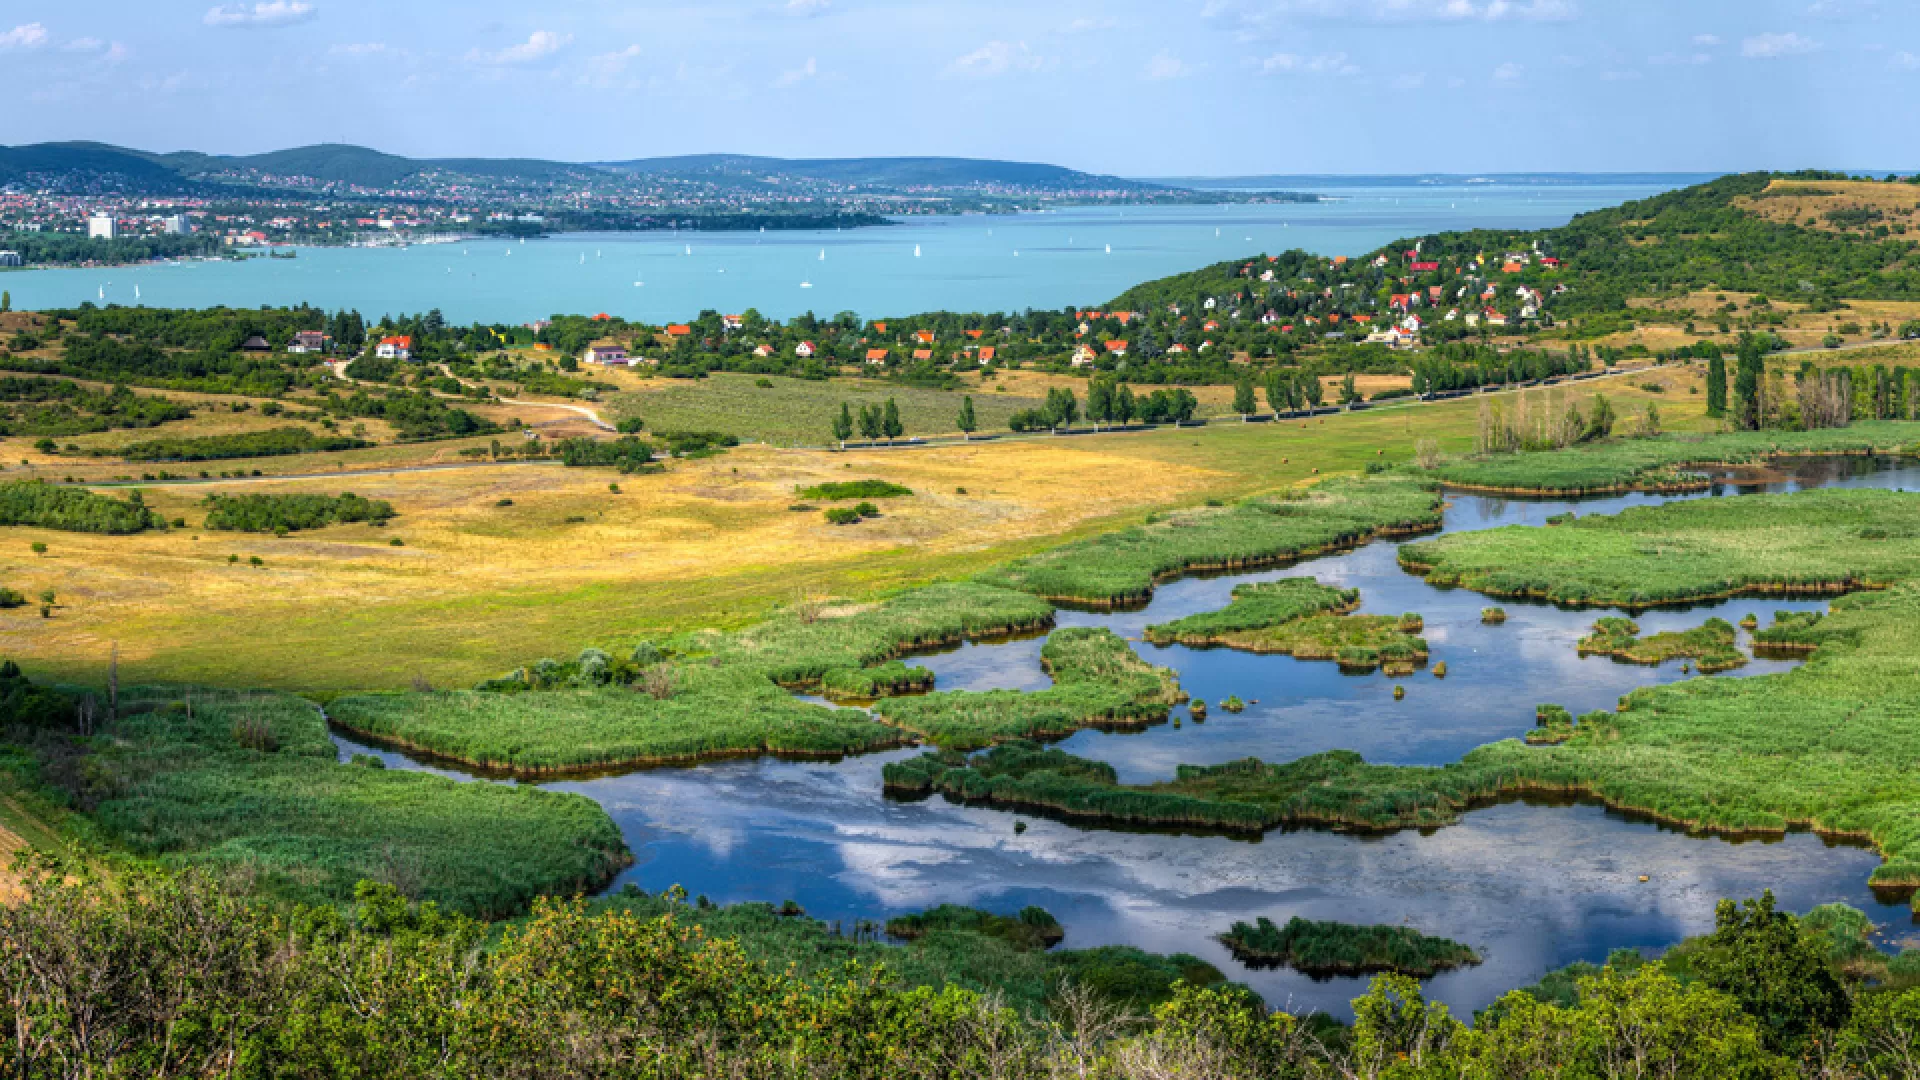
(395, 348)
(804, 350)
(608, 353)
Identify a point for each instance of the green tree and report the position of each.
(1717, 386)
(1779, 974)
(870, 424)
(1311, 391)
(965, 421)
(1349, 391)
(1125, 408)
(1243, 396)
(6, 301)
(1100, 399)
(890, 424)
(843, 424)
(1061, 408)
(1279, 388)
(1600, 419)
(1750, 366)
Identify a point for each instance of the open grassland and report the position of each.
(1121, 567)
(1854, 206)
(1814, 542)
(1097, 682)
(1710, 645)
(248, 782)
(800, 412)
(1659, 464)
(480, 587)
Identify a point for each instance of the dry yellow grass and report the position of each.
(1808, 202)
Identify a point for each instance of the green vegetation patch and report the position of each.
(1098, 681)
(1812, 542)
(1032, 928)
(1121, 567)
(1324, 949)
(58, 407)
(278, 442)
(1710, 645)
(855, 489)
(248, 782)
(866, 684)
(1256, 606)
(289, 513)
(1792, 632)
(701, 696)
(73, 509)
(1657, 464)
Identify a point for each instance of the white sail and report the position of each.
(1109, 249)
(916, 251)
(823, 254)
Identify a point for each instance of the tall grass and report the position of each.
(1658, 463)
(1122, 567)
(1097, 682)
(248, 782)
(1324, 949)
(1710, 645)
(1257, 606)
(1825, 541)
(716, 695)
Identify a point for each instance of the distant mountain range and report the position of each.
(93, 165)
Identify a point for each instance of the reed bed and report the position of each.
(248, 782)
(1325, 949)
(1711, 645)
(1257, 606)
(1098, 681)
(1121, 567)
(1659, 464)
(1811, 543)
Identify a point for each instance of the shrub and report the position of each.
(271, 513)
(854, 489)
(842, 515)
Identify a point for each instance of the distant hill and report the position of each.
(905, 172)
(84, 164)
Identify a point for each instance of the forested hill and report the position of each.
(902, 172)
(1711, 235)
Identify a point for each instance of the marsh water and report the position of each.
(1533, 886)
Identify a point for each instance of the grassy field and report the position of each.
(1825, 541)
(1121, 567)
(247, 782)
(800, 412)
(480, 587)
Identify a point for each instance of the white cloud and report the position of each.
(262, 14)
(1906, 61)
(85, 44)
(1623, 75)
(1707, 41)
(806, 9)
(798, 75)
(1165, 65)
(1508, 72)
(361, 48)
(538, 46)
(1262, 18)
(1291, 64)
(1083, 25)
(608, 70)
(996, 58)
(1842, 9)
(1680, 59)
(25, 36)
(1410, 80)
(1773, 46)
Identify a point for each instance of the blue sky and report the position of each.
(1137, 87)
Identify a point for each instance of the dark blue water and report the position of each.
(1533, 887)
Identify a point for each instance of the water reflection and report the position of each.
(1531, 886)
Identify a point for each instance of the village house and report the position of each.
(679, 330)
(306, 341)
(876, 356)
(987, 353)
(732, 322)
(256, 343)
(763, 350)
(920, 355)
(1116, 347)
(395, 348)
(607, 353)
(804, 350)
(1083, 356)
(924, 337)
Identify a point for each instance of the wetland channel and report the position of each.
(1531, 885)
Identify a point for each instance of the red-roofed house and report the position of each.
(763, 349)
(1550, 263)
(987, 353)
(1083, 356)
(924, 337)
(732, 322)
(876, 356)
(1511, 268)
(395, 348)
(1425, 267)
(803, 350)
(1116, 347)
(879, 328)
(975, 334)
(679, 330)
(923, 354)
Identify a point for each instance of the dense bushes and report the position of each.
(72, 509)
(628, 453)
(287, 513)
(855, 489)
(58, 407)
(275, 443)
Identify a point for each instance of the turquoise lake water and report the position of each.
(1080, 256)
